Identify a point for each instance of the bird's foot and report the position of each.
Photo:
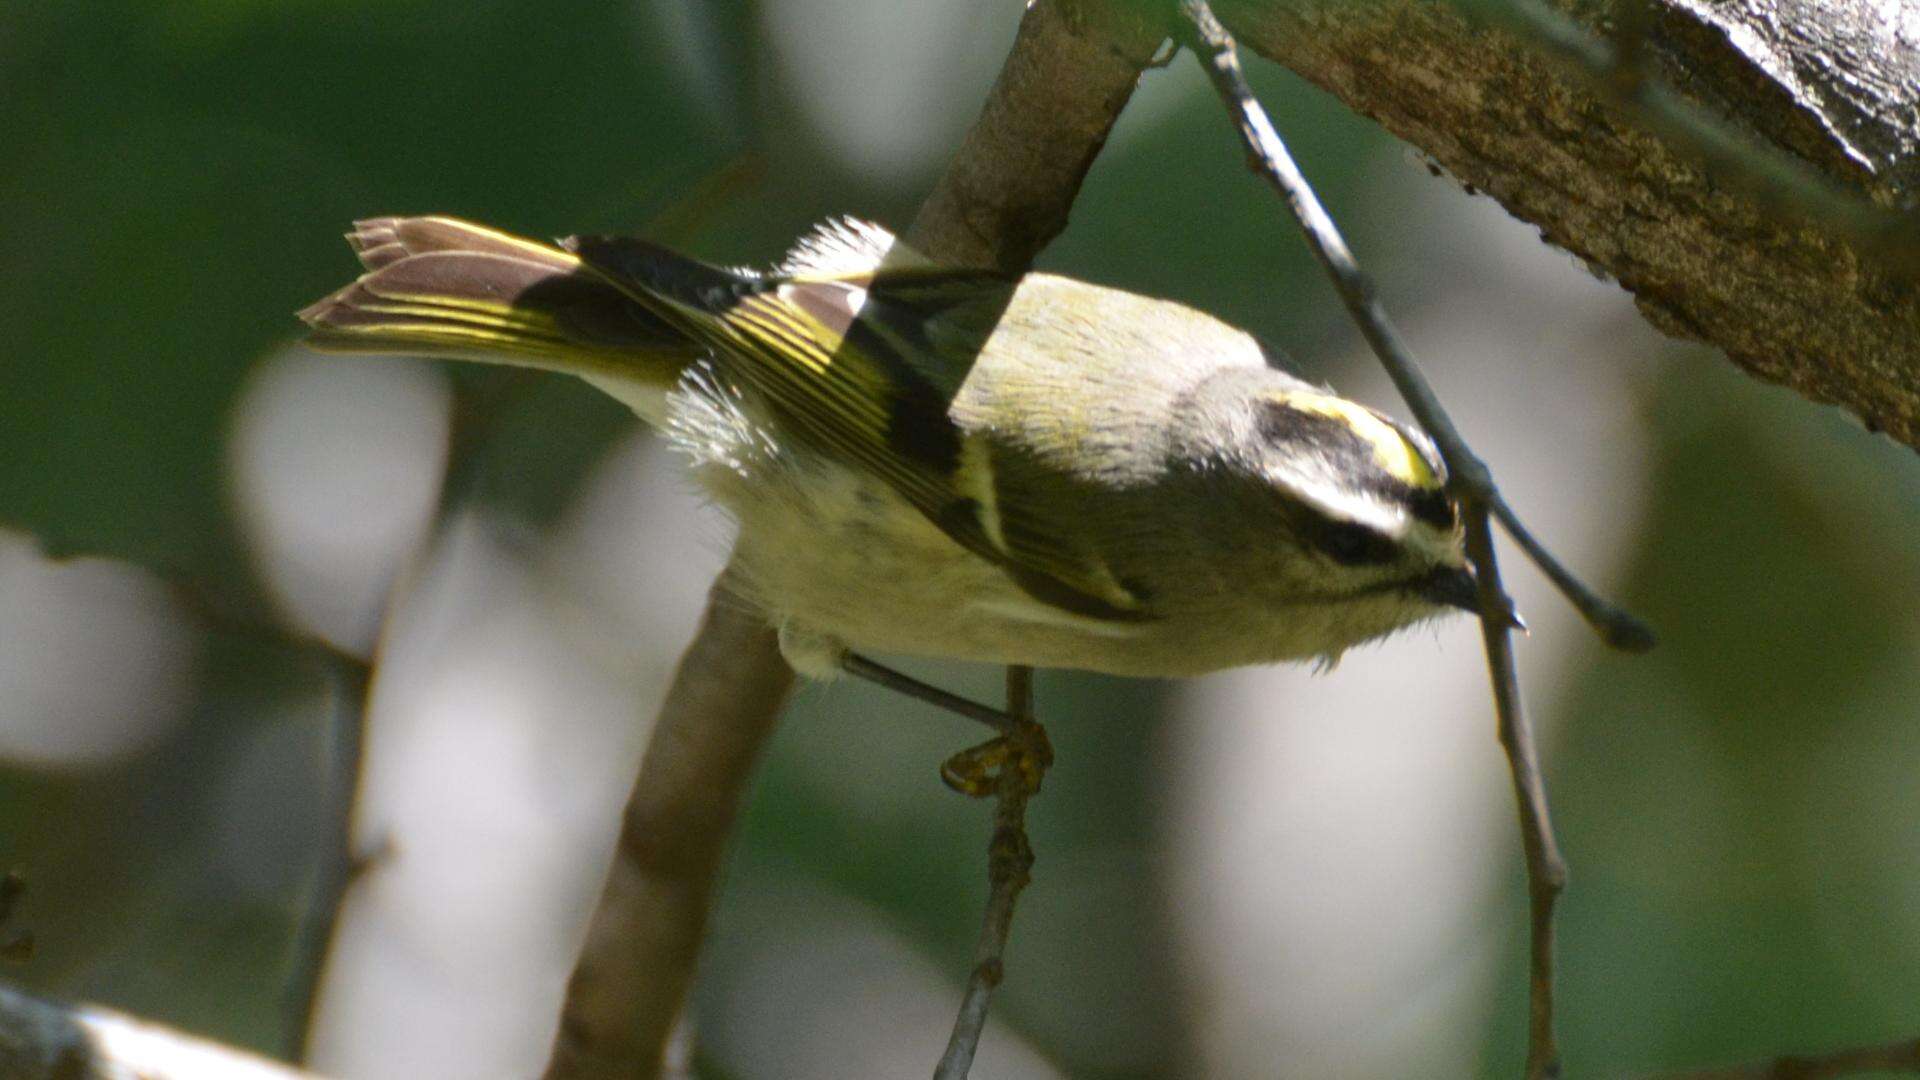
(1024, 753)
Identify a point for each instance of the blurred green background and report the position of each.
(1737, 807)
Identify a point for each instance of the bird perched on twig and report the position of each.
(958, 463)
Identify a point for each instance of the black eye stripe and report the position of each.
(1351, 543)
(1302, 428)
(1429, 505)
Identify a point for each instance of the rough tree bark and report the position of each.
(1816, 300)
(1008, 190)
(630, 982)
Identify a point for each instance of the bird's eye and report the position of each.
(1432, 506)
(1351, 544)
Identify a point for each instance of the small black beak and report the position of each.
(1454, 586)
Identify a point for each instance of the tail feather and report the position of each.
(437, 286)
(379, 241)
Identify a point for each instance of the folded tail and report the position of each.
(437, 286)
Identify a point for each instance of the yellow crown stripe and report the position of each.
(1391, 450)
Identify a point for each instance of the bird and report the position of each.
(958, 463)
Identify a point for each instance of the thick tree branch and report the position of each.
(1560, 128)
(46, 1040)
(636, 965)
(1004, 196)
(1007, 192)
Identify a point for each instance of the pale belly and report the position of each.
(840, 562)
(853, 568)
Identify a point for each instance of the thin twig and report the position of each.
(224, 614)
(1902, 1056)
(16, 945)
(1009, 869)
(340, 863)
(479, 406)
(1546, 870)
(221, 614)
(734, 183)
(1472, 484)
(1468, 475)
(1618, 628)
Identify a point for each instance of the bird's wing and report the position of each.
(865, 365)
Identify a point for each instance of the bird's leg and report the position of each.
(855, 664)
(1021, 743)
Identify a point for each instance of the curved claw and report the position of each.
(976, 771)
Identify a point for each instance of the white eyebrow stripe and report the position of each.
(1342, 503)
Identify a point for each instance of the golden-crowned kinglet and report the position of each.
(957, 463)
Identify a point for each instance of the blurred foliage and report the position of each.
(176, 180)
(1737, 807)
(1737, 804)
